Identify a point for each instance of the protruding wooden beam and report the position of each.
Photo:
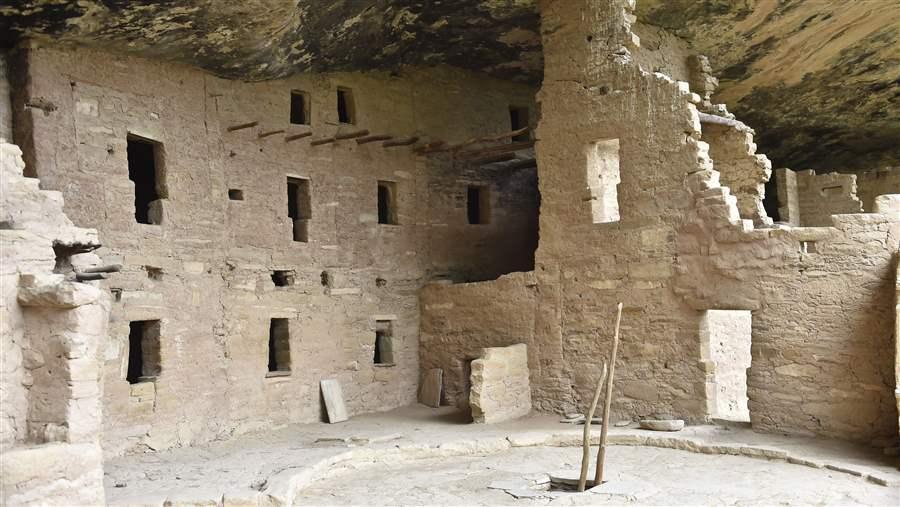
(87, 277)
(406, 141)
(491, 159)
(294, 137)
(721, 120)
(373, 138)
(521, 164)
(110, 268)
(242, 126)
(270, 133)
(499, 148)
(455, 147)
(326, 140)
(352, 135)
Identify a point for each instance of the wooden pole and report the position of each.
(263, 135)
(373, 138)
(506, 147)
(586, 442)
(601, 452)
(294, 137)
(242, 126)
(400, 142)
(351, 135)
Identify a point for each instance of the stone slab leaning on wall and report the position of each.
(500, 387)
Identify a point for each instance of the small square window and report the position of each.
(283, 278)
(300, 107)
(235, 194)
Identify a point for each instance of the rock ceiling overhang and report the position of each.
(819, 80)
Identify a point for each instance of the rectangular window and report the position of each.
(518, 118)
(603, 180)
(279, 346)
(283, 278)
(300, 107)
(145, 170)
(235, 194)
(384, 346)
(299, 208)
(387, 203)
(346, 108)
(143, 351)
(478, 204)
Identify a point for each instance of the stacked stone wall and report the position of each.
(819, 297)
(206, 271)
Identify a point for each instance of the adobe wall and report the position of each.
(205, 272)
(871, 184)
(816, 197)
(821, 360)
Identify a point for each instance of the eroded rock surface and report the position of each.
(818, 80)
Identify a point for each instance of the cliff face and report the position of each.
(819, 80)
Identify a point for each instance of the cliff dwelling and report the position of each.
(514, 252)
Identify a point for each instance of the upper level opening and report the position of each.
(346, 107)
(145, 169)
(300, 107)
(518, 119)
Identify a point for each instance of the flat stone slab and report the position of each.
(431, 388)
(334, 400)
(662, 425)
(632, 488)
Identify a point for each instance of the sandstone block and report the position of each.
(500, 384)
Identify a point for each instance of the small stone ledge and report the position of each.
(54, 291)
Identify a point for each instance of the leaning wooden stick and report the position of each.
(586, 443)
(601, 453)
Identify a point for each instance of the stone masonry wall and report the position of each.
(740, 168)
(206, 271)
(51, 329)
(824, 195)
(871, 184)
(821, 360)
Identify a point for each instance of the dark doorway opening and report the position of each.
(299, 108)
(518, 118)
(345, 107)
(143, 351)
(387, 207)
(478, 205)
(279, 346)
(143, 170)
